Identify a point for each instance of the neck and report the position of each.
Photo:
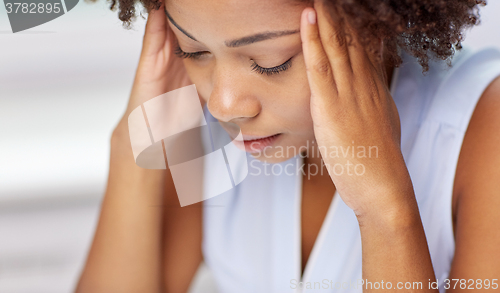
(389, 69)
(314, 168)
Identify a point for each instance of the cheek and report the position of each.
(289, 103)
(199, 77)
(297, 111)
(296, 100)
(299, 86)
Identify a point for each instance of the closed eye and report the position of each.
(255, 67)
(181, 54)
(272, 70)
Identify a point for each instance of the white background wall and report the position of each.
(63, 86)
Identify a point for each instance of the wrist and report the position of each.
(122, 156)
(391, 214)
(390, 200)
(120, 137)
(127, 180)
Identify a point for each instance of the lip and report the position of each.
(255, 143)
(253, 137)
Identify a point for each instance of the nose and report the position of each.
(234, 97)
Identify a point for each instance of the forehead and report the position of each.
(220, 20)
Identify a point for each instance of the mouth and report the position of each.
(253, 143)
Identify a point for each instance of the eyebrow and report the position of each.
(241, 41)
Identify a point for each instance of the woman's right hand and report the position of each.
(159, 70)
(135, 244)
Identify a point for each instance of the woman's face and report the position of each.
(229, 69)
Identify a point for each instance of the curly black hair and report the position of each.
(426, 29)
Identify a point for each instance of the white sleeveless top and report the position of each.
(252, 232)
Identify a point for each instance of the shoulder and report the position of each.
(458, 89)
(477, 191)
(479, 157)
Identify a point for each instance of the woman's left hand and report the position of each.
(353, 111)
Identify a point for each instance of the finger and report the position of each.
(319, 70)
(334, 42)
(169, 44)
(361, 59)
(368, 71)
(155, 33)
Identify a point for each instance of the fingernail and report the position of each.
(311, 17)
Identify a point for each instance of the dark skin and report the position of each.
(317, 194)
(317, 191)
(141, 247)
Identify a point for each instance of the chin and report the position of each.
(273, 156)
(269, 159)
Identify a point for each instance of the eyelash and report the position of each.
(272, 70)
(255, 67)
(181, 54)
